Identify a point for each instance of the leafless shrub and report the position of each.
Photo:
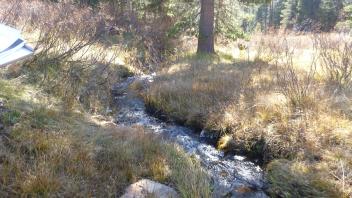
(69, 61)
(296, 87)
(336, 58)
(144, 36)
(267, 50)
(9, 12)
(268, 47)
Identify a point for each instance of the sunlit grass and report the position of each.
(50, 152)
(267, 116)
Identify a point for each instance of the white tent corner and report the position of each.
(13, 47)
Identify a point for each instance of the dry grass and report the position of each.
(300, 179)
(269, 106)
(45, 152)
(50, 147)
(194, 88)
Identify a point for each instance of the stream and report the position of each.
(232, 175)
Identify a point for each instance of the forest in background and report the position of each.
(247, 16)
(306, 15)
(232, 20)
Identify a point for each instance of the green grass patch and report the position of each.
(10, 118)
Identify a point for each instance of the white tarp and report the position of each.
(12, 46)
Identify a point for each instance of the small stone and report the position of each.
(146, 188)
(223, 174)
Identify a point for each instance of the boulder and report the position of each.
(148, 188)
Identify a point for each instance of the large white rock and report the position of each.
(148, 188)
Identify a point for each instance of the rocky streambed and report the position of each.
(232, 175)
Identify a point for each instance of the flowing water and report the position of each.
(233, 176)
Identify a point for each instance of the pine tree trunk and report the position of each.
(206, 27)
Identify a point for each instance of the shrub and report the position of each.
(297, 88)
(336, 59)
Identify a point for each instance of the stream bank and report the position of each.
(232, 175)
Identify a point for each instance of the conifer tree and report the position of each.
(327, 14)
(289, 13)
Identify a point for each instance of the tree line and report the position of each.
(306, 15)
(210, 19)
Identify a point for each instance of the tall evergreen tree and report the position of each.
(262, 16)
(278, 7)
(307, 9)
(206, 24)
(328, 14)
(289, 13)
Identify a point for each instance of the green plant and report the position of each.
(10, 117)
(41, 117)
